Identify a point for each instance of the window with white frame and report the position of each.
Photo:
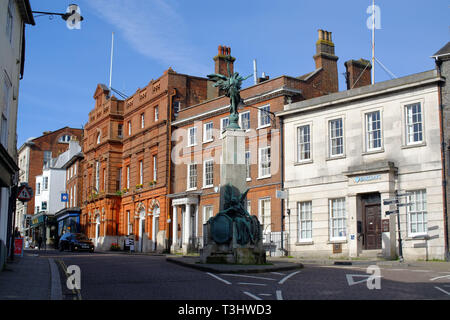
(142, 120)
(264, 116)
(45, 183)
(44, 205)
(192, 139)
(264, 215)
(244, 120)
(249, 207)
(417, 212)
(129, 225)
(414, 124)
(156, 113)
(129, 127)
(64, 139)
(75, 195)
(208, 173)
(338, 219)
(224, 122)
(336, 136)
(207, 213)
(192, 176)
(104, 179)
(155, 168)
(10, 20)
(38, 188)
(99, 137)
(128, 177)
(47, 158)
(97, 176)
(119, 130)
(304, 221)
(247, 165)
(208, 132)
(7, 89)
(264, 162)
(373, 130)
(141, 172)
(303, 143)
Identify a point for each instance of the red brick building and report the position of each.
(32, 156)
(196, 153)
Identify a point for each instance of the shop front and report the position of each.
(44, 226)
(68, 221)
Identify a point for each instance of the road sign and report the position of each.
(390, 201)
(391, 212)
(25, 193)
(64, 197)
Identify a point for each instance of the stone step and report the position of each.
(371, 253)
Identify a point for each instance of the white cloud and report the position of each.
(155, 29)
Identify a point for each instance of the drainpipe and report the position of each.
(285, 252)
(444, 179)
(169, 167)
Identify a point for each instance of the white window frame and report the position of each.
(155, 168)
(192, 136)
(97, 176)
(249, 206)
(262, 110)
(223, 126)
(141, 172)
(206, 163)
(241, 123)
(262, 217)
(99, 137)
(332, 219)
(369, 131)
(142, 120)
(208, 132)
(206, 216)
(156, 113)
(189, 187)
(331, 138)
(299, 145)
(128, 177)
(129, 127)
(417, 209)
(44, 183)
(248, 173)
(260, 163)
(408, 125)
(304, 221)
(38, 188)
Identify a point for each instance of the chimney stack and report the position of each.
(326, 59)
(223, 57)
(358, 73)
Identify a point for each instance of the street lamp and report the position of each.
(73, 13)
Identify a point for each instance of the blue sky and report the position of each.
(63, 66)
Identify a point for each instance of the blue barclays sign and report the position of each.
(367, 178)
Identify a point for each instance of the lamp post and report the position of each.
(73, 11)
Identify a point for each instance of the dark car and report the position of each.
(75, 242)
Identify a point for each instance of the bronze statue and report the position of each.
(232, 86)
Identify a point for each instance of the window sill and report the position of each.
(375, 151)
(335, 241)
(304, 243)
(208, 187)
(421, 236)
(191, 145)
(191, 189)
(248, 179)
(264, 177)
(207, 141)
(335, 157)
(263, 127)
(299, 163)
(414, 145)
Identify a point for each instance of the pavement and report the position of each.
(28, 278)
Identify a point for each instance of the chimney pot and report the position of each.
(321, 34)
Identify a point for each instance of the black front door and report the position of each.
(372, 232)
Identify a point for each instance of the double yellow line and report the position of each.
(76, 292)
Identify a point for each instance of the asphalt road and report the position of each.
(136, 277)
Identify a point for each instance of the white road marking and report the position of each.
(265, 294)
(251, 295)
(420, 270)
(441, 277)
(244, 276)
(279, 296)
(447, 293)
(218, 278)
(278, 273)
(287, 277)
(252, 284)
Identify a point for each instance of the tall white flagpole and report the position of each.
(373, 41)
(111, 65)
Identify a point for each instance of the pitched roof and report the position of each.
(444, 51)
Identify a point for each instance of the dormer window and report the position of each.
(64, 139)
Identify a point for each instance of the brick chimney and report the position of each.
(220, 67)
(327, 60)
(358, 73)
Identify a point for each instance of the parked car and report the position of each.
(75, 242)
